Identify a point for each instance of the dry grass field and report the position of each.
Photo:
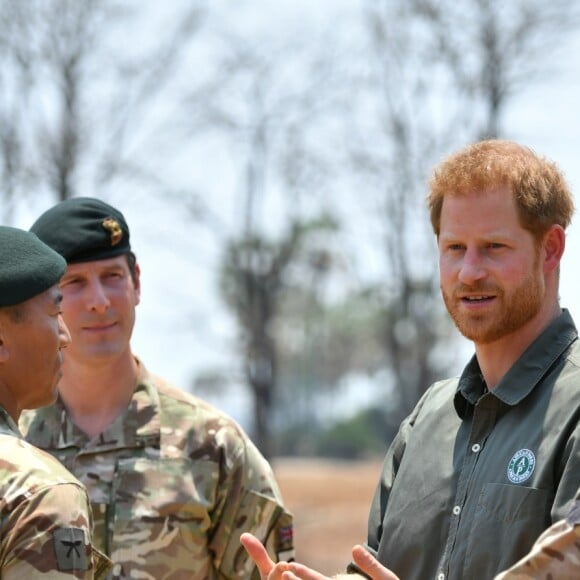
(330, 502)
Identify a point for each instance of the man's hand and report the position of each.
(268, 569)
(294, 571)
(370, 565)
(363, 559)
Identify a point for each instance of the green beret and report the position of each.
(84, 229)
(27, 266)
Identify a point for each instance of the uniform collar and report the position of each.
(138, 426)
(7, 424)
(527, 371)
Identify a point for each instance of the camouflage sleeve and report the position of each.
(47, 535)
(556, 554)
(250, 501)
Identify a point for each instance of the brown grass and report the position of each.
(330, 501)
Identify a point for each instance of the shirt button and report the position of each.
(441, 577)
(475, 448)
(456, 510)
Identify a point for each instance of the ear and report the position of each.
(137, 282)
(3, 346)
(553, 247)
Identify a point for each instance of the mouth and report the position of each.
(99, 327)
(477, 300)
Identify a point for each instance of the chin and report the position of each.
(51, 396)
(44, 402)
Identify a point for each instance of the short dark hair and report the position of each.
(17, 313)
(132, 263)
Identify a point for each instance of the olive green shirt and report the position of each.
(473, 477)
(173, 482)
(556, 554)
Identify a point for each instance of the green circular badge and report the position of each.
(521, 466)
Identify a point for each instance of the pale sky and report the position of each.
(183, 328)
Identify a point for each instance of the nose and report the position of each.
(98, 299)
(64, 334)
(472, 267)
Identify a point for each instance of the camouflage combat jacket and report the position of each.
(556, 554)
(45, 519)
(173, 482)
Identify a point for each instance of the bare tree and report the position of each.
(415, 89)
(296, 126)
(74, 98)
(498, 49)
(255, 280)
(394, 140)
(260, 114)
(16, 80)
(439, 74)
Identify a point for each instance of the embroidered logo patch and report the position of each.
(521, 466)
(70, 548)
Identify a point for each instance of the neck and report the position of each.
(496, 358)
(8, 402)
(95, 394)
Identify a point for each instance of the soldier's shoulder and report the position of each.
(192, 407)
(36, 420)
(186, 417)
(23, 466)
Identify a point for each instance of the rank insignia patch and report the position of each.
(70, 548)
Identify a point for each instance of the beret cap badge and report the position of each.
(114, 228)
(84, 229)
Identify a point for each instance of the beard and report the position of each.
(510, 311)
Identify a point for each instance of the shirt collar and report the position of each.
(7, 424)
(527, 371)
(138, 426)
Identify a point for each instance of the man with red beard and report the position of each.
(486, 462)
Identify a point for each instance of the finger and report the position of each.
(370, 565)
(304, 572)
(258, 553)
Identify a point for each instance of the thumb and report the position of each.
(370, 565)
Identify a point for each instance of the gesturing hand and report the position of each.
(269, 570)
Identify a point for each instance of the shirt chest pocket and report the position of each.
(511, 503)
(160, 506)
(507, 521)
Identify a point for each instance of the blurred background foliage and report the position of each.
(285, 149)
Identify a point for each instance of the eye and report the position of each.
(70, 282)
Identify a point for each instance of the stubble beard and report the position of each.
(510, 311)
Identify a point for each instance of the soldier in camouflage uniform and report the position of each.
(172, 480)
(45, 519)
